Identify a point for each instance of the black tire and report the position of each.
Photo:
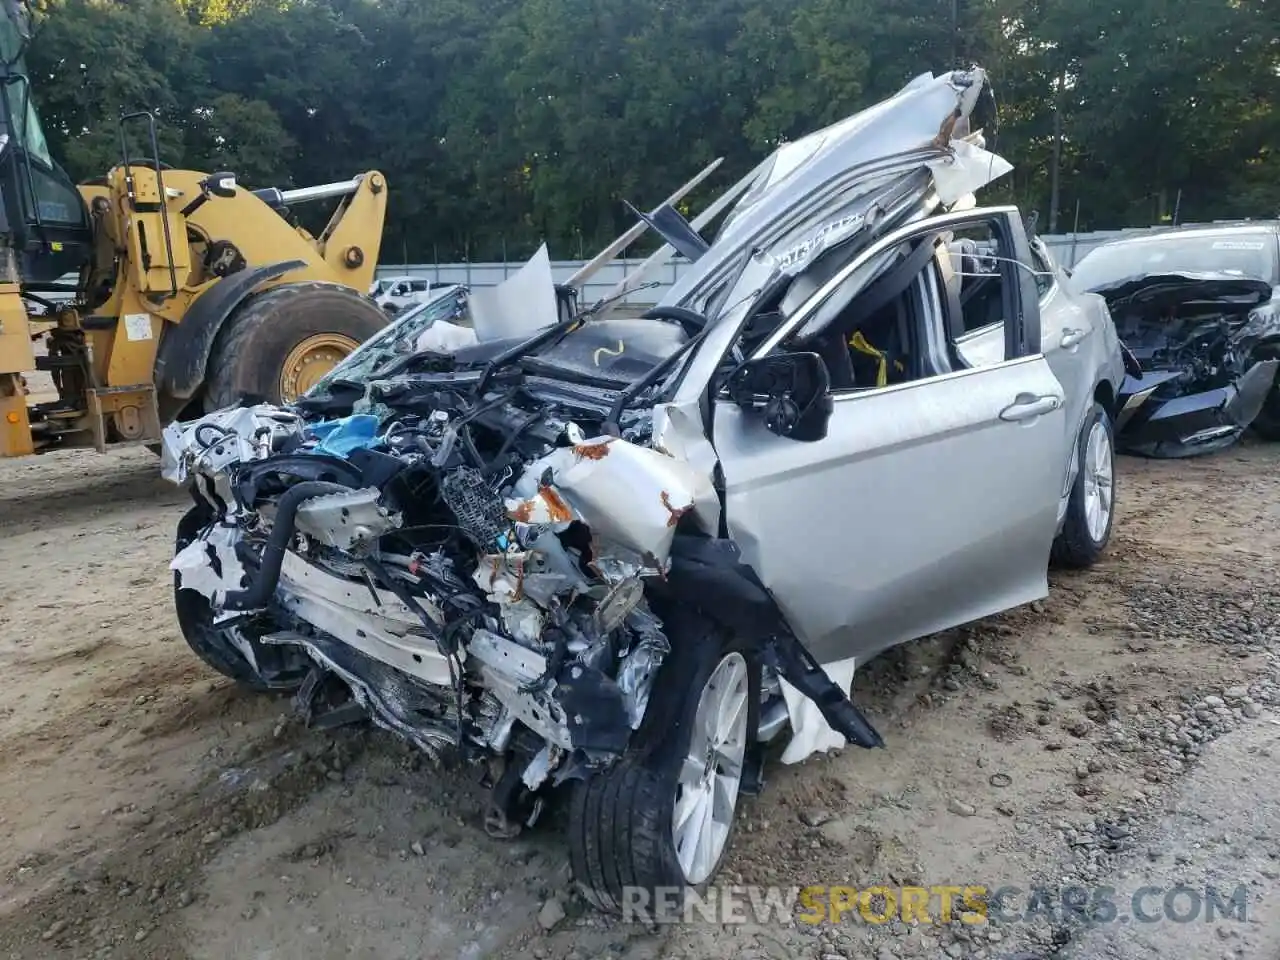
(620, 820)
(213, 644)
(1267, 423)
(250, 350)
(1075, 546)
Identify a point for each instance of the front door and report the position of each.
(930, 502)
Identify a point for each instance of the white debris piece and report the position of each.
(810, 731)
(445, 337)
(222, 438)
(969, 168)
(195, 564)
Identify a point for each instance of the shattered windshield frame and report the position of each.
(394, 340)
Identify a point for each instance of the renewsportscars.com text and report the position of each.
(938, 904)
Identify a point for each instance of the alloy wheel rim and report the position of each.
(1098, 481)
(711, 773)
(310, 360)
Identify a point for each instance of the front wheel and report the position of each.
(1267, 423)
(662, 819)
(1091, 508)
(274, 668)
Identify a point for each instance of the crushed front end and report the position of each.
(1201, 360)
(381, 565)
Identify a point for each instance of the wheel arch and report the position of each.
(1105, 394)
(184, 352)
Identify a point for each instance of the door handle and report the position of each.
(1028, 407)
(1072, 338)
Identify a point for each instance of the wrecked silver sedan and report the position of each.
(622, 555)
(1198, 310)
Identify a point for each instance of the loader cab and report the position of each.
(43, 217)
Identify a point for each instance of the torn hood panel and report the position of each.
(1157, 292)
(892, 162)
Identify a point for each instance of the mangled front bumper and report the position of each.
(1157, 421)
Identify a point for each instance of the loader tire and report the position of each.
(265, 333)
(623, 846)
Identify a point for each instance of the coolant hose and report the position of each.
(264, 585)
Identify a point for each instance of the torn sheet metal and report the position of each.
(678, 432)
(210, 566)
(792, 260)
(813, 183)
(224, 437)
(640, 667)
(810, 732)
(627, 494)
(525, 584)
(520, 305)
(967, 170)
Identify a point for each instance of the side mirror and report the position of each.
(791, 391)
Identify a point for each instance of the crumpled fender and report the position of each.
(186, 346)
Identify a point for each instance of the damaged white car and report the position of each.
(622, 555)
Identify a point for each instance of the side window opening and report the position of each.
(935, 304)
(976, 255)
(980, 273)
(879, 336)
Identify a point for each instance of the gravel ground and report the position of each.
(1122, 734)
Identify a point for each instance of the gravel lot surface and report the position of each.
(1124, 733)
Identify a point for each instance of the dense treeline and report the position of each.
(503, 122)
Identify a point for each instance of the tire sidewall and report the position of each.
(1098, 415)
(195, 620)
(677, 691)
(265, 328)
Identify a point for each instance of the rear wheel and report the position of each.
(279, 342)
(662, 819)
(1091, 509)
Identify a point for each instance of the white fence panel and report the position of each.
(1068, 249)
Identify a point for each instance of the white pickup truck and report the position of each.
(393, 294)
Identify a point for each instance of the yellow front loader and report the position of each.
(193, 293)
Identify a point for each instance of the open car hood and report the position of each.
(1159, 292)
(896, 161)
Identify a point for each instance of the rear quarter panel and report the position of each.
(1092, 373)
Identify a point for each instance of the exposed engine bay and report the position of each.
(468, 566)
(453, 614)
(1197, 376)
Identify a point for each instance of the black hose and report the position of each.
(559, 653)
(209, 426)
(264, 585)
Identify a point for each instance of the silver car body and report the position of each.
(927, 503)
